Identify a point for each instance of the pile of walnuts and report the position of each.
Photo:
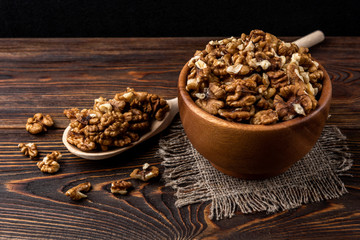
(256, 79)
(116, 122)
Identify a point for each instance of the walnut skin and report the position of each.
(50, 163)
(120, 187)
(38, 123)
(76, 193)
(146, 173)
(116, 122)
(240, 79)
(29, 149)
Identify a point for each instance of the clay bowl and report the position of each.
(251, 151)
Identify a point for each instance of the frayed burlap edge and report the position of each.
(183, 173)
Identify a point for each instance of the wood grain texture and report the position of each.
(50, 75)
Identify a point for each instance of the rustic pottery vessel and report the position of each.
(251, 151)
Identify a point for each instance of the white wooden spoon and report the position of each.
(156, 127)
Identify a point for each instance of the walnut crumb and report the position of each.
(146, 173)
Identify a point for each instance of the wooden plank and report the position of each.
(50, 75)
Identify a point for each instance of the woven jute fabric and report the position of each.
(314, 178)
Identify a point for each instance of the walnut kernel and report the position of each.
(29, 149)
(120, 187)
(146, 173)
(38, 123)
(50, 163)
(76, 193)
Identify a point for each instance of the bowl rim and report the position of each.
(324, 100)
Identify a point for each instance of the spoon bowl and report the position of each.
(156, 127)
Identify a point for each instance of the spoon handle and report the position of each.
(311, 39)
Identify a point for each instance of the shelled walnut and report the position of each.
(146, 173)
(120, 187)
(242, 79)
(116, 122)
(29, 149)
(38, 123)
(50, 163)
(76, 193)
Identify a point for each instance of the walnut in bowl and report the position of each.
(253, 106)
(256, 79)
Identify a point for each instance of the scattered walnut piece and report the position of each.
(238, 78)
(29, 149)
(146, 173)
(76, 193)
(38, 123)
(33, 126)
(120, 187)
(50, 163)
(116, 122)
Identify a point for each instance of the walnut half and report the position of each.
(265, 117)
(75, 193)
(146, 173)
(50, 163)
(29, 149)
(120, 186)
(38, 123)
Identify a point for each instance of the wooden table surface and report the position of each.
(50, 75)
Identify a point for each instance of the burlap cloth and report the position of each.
(312, 179)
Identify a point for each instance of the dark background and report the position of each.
(31, 18)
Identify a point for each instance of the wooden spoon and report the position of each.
(156, 127)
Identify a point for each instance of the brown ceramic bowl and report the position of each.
(251, 151)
